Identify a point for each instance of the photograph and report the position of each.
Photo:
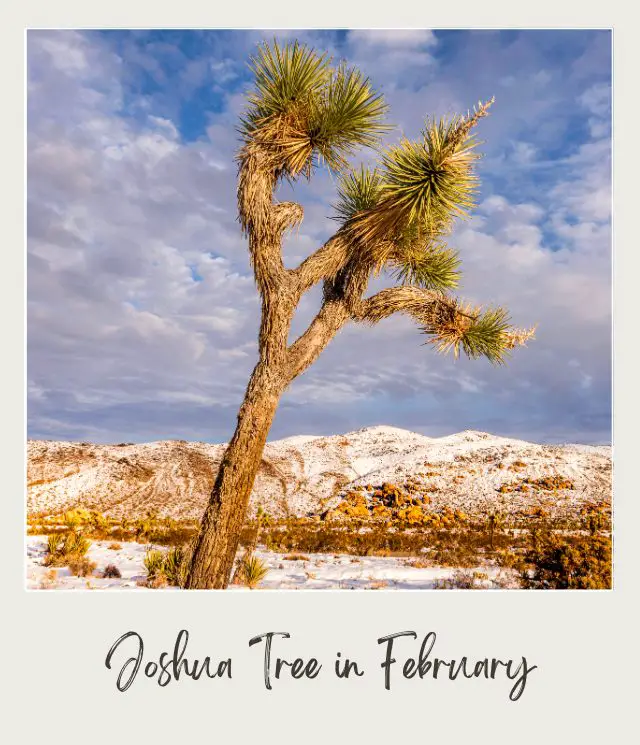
(318, 309)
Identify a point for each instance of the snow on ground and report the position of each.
(319, 572)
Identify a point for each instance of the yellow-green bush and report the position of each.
(579, 562)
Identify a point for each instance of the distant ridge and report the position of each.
(302, 475)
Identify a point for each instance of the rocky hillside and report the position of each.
(471, 471)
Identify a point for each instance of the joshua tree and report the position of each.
(303, 113)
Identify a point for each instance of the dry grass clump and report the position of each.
(296, 557)
(81, 566)
(49, 580)
(463, 580)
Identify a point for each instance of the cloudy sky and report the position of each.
(143, 314)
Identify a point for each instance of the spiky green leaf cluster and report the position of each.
(429, 181)
(304, 110)
(435, 267)
(487, 336)
(174, 565)
(348, 116)
(252, 571)
(284, 77)
(483, 334)
(358, 191)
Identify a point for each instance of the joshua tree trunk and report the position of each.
(217, 543)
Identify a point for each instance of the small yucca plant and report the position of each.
(154, 563)
(75, 545)
(252, 571)
(173, 564)
(54, 543)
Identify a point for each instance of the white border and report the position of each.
(582, 642)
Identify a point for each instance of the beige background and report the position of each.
(55, 685)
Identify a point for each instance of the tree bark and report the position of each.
(217, 542)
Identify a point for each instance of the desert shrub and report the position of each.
(305, 538)
(81, 566)
(151, 529)
(455, 554)
(546, 483)
(174, 536)
(111, 571)
(577, 562)
(72, 519)
(596, 517)
(99, 524)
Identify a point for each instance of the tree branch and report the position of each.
(323, 264)
(417, 302)
(263, 221)
(342, 303)
(306, 349)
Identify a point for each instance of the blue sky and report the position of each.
(142, 312)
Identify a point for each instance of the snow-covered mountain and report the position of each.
(302, 475)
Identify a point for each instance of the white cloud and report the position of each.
(394, 38)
